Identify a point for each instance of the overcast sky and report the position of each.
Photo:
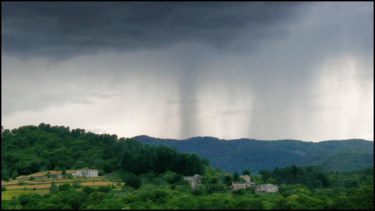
(272, 70)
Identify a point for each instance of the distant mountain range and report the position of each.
(240, 154)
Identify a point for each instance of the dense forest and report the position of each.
(343, 191)
(235, 155)
(153, 176)
(30, 149)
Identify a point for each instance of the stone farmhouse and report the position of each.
(193, 180)
(266, 188)
(243, 185)
(260, 189)
(86, 173)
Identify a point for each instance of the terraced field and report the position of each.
(40, 183)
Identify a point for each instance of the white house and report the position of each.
(193, 180)
(268, 188)
(86, 173)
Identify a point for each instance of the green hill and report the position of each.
(30, 149)
(236, 155)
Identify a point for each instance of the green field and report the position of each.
(7, 195)
(41, 183)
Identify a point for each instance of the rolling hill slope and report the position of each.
(236, 155)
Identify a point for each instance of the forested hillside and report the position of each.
(30, 149)
(236, 155)
(133, 175)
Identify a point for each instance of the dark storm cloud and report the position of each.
(204, 68)
(66, 29)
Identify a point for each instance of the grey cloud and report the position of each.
(234, 112)
(177, 102)
(190, 47)
(65, 29)
(38, 101)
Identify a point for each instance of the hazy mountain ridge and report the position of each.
(236, 155)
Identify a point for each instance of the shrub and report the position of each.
(24, 199)
(271, 180)
(88, 190)
(31, 178)
(228, 179)
(132, 180)
(53, 187)
(126, 188)
(251, 189)
(155, 196)
(196, 191)
(76, 184)
(215, 188)
(104, 189)
(172, 177)
(3, 188)
(246, 172)
(64, 187)
(214, 180)
(238, 192)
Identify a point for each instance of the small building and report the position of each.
(243, 185)
(266, 188)
(193, 180)
(86, 173)
(246, 178)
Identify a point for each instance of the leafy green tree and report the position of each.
(205, 162)
(362, 198)
(214, 180)
(53, 187)
(246, 172)
(15, 174)
(172, 178)
(104, 189)
(132, 180)
(281, 204)
(88, 190)
(64, 187)
(236, 177)
(228, 179)
(215, 188)
(271, 181)
(96, 198)
(196, 191)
